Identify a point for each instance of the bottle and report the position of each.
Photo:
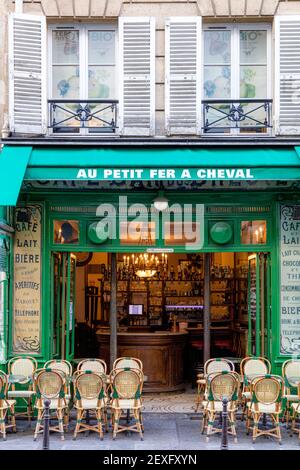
(179, 272)
(172, 273)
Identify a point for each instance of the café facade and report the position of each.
(167, 262)
(150, 183)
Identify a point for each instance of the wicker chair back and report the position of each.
(89, 385)
(267, 390)
(94, 365)
(50, 384)
(127, 383)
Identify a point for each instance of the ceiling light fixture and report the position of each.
(161, 203)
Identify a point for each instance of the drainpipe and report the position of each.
(18, 6)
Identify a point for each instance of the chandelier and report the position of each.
(145, 265)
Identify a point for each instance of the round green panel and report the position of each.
(97, 236)
(221, 233)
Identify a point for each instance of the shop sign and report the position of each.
(160, 250)
(27, 280)
(290, 279)
(165, 173)
(182, 174)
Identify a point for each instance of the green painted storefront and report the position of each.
(231, 185)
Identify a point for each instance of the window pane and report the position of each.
(217, 82)
(253, 232)
(217, 47)
(181, 233)
(103, 116)
(65, 47)
(65, 82)
(66, 231)
(102, 47)
(253, 81)
(137, 233)
(253, 47)
(101, 82)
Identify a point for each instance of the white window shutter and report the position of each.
(287, 75)
(183, 75)
(27, 74)
(137, 76)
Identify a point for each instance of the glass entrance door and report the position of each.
(63, 270)
(259, 305)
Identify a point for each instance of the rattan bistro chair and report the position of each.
(212, 365)
(291, 376)
(90, 395)
(63, 365)
(6, 406)
(266, 399)
(94, 365)
(25, 366)
(225, 384)
(50, 384)
(250, 368)
(126, 395)
(296, 413)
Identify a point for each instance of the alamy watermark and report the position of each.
(180, 224)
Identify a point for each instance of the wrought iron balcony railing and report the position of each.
(83, 116)
(237, 116)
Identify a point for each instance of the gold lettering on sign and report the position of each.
(27, 280)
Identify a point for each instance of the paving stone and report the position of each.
(176, 431)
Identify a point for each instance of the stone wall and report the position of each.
(109, 10)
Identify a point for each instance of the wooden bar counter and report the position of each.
(162, 354)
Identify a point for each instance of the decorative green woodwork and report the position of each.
(221, 232)
(13, 163)
(223, 207)
(93, 236)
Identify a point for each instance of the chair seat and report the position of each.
(85, 404)
(123, 404)
(20, 393)
(296, 407)
(201, 381)
(218, 406)
(291, 397)
(53, 404)
(262, 408)
(7, 404)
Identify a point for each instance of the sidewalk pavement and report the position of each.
(178, 431)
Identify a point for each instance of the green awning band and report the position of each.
(163, 157)
(59, 163)
(13, 163)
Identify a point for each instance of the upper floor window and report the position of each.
(236, 67)
(82, 67)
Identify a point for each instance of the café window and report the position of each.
(66, 232)
(253, 232)
(82, 67)
(139, 233)
(236, 67)
(181, 233)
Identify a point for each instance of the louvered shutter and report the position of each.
(287, 74)
(137, 76)
(183, 75)
(27, 74)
